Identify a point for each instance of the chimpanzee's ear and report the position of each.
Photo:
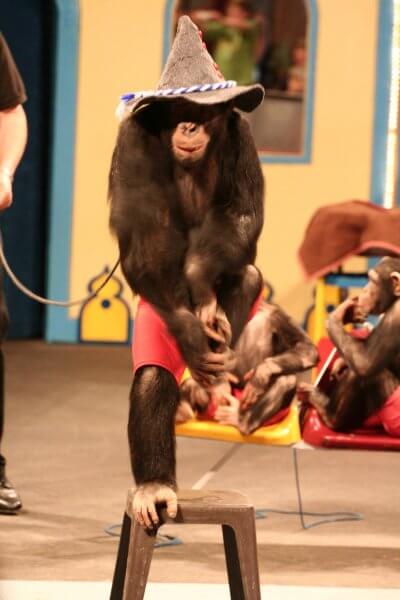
(395, 280)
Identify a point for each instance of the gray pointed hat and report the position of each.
(191, 74)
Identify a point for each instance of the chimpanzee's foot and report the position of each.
(309, 394)
(147, 496)
(193, 394)
(184, 412)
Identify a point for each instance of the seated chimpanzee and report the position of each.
(364, 387)
(270, 352)
(186, 191)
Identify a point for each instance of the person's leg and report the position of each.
(3, 331)
(10, 501)
(2, 459)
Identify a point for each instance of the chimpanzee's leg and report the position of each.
(237, 294)
(319, 400)
(353, 399)
(278, 396)
(153, 402)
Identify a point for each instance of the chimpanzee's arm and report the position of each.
(226, 242)
(274, 348)
(368, 357)
(293, 350)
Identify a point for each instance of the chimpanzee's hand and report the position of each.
(220, 391)
(348, 311)
(339, 368)
(145, 499)
(258, 380)
(222, 326)
(206, 366)
(215, 323)
(213, 365)
(228, 413)
(184, 412)
(304, 391)
(194, 394)
(207, 312)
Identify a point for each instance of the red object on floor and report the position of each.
(316, 433)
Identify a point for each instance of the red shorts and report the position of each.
(388, 416)
(154, 345)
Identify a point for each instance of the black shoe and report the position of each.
(10, 502)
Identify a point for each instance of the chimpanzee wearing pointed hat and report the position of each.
(186, 193)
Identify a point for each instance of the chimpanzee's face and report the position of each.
(192, 129)
(373, 298)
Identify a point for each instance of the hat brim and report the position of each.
(245, 98)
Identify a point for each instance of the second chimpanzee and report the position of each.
(186, 194)
(366, 377)
(271, 352)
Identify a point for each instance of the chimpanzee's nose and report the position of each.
(189, 129)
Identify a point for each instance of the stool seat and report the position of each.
(229, 509)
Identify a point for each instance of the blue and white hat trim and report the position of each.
(128, 100)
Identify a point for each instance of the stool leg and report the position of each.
(120, 566)
(242, 561)
(141, 546)
(233, 564)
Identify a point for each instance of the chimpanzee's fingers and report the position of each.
(138, 516)
(249, 397)
(153, 513)
(214, 367)
(232, 378)
(211, 333)
(243, 403)
(214, 358)
(172, 506)
(249, 374)
(146, 518)
(232, 400)
(204, 379)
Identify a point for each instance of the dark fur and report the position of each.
(275, 337)
(373, 364)
(156, 241)
(154, 398)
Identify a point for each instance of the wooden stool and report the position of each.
(231, 510)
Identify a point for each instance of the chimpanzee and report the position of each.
(270, 352)
(367, 374)
(186, 193)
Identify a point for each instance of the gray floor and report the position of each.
(66, 447)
